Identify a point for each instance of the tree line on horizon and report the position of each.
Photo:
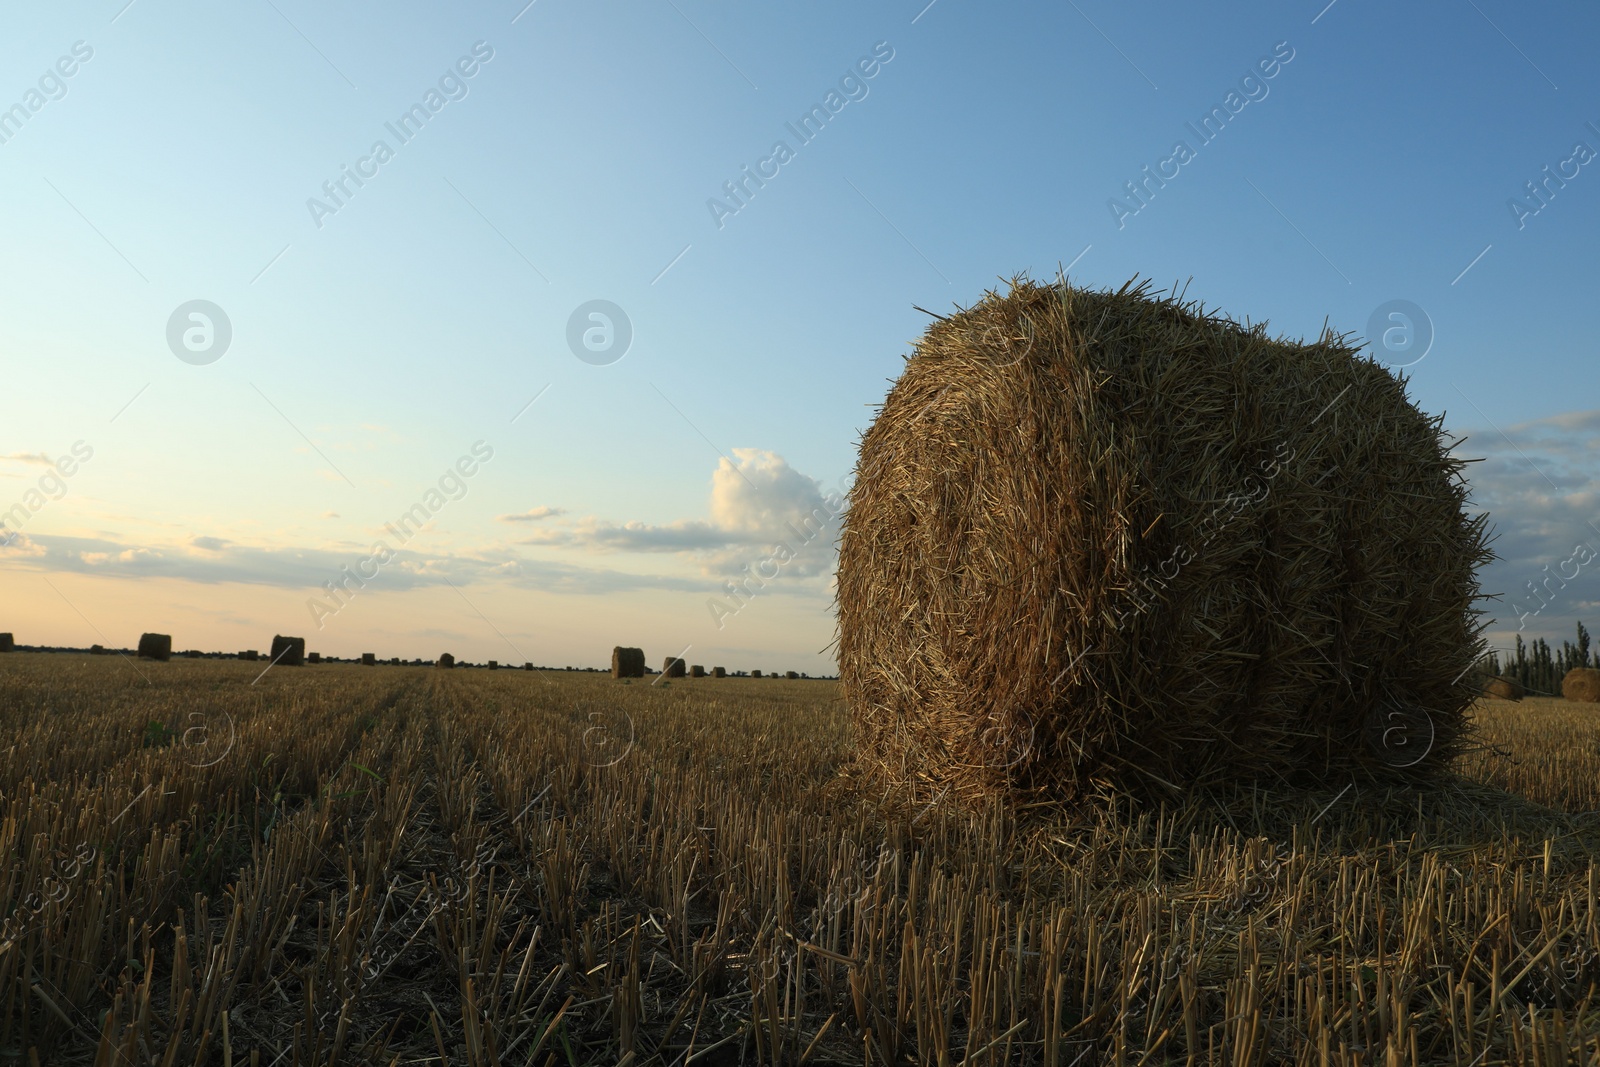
(1537, 667)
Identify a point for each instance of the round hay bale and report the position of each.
(718, 672)
(1503, 689)
(1582, 684)
(446, 660)
(627, 662)
(673, 667)
(494, 665)
(155, 646)
(1107, 540)
(755, 674)
(369, 659)
(791, 674)
(8, 643)
(696, 671)
(288, 651)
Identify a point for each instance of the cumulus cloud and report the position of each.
(758, 501)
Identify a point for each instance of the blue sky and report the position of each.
(372, 351)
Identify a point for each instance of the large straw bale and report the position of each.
(719, 672)
(696, 670)
(8, 643)
(673, 667)
(1105, 540)
(369, 659)
(155, 646)
(446, 660)
(1581, 684)
(627, 662)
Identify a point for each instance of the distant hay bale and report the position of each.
(369, 659)
(1582, 684)
(8, 643)
(627, 662)
(155, 646)
(97, 650)
(250, 654)
(527, 666)
(288, 651)
(1503, 689)
(673, 667)
(193, 653)
(313, 657)
(696, 671)
(791, 674)
(755, 674)
(718, 672)
(1107, 540)
(446, 660)
(494, 665)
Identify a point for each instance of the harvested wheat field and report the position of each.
(420, 866)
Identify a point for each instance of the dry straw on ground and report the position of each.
(627, 662)
(1110, 540)
(1503, 689)
(1582, 684)
(288, 651)
(155, 646)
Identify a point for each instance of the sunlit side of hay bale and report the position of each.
(1581, 684)
(1106, 540)
(1503, 689)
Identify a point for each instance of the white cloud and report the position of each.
(757, 501)
(1539, 481)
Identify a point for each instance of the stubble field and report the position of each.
(338, 864)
